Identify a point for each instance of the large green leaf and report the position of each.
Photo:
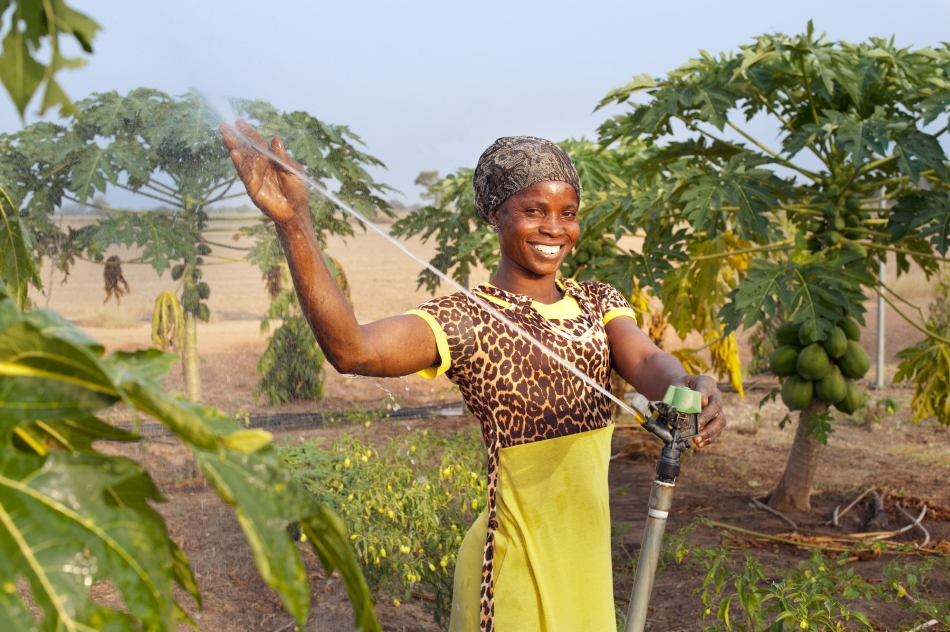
(817, 294)
(33, 27)
(62, 529)
(70, 516)
(926, 213)
(20, 73)
(17, 267)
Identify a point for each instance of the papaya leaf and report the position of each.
(71, 516)
(926, 213)
(63, 530)
(17, 267)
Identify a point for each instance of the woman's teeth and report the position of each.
(548, 250)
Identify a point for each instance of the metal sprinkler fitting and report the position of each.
(675, 420)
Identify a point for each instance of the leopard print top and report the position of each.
(517, 392)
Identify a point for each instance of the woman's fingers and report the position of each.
(712, 430)
(251, 136)
(277, 146)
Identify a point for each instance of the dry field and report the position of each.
(893, 454)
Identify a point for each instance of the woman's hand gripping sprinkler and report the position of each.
(675, 420)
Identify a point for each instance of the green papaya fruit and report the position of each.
(850, 328)
(813, 245)
(797, 393)
(783, 361)
(836, 343)
(813, 362)
(833, 237)
(787, 334)
(856, 248)
(853, 398)
(832, 388)
(853, 203)
(852, 221)
(855, 362)
(839, 223)
(805, 339)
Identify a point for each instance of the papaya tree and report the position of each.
(167, 151)
(741, 232)
(70, 515)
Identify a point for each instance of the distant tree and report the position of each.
(168, 150)
(71, 516)
(739, 233)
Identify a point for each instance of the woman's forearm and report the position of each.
(656, 373)
(324, 306)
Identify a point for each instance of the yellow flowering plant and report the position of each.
(406, 505)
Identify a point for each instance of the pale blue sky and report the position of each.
(428, 85)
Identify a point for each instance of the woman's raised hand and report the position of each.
(280, 193)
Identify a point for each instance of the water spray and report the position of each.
(321, 189)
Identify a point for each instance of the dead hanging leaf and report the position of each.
(691, 362)
(725, 361)
(112, 275)
(657, 329)
(168, 323)
(273, 280)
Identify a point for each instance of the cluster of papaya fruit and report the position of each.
(839, 223)
(584, 251)
(827, 369)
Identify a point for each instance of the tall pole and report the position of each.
(661, 499)
(882, 270)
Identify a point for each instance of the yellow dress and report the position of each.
(552, 548)
(539, 557)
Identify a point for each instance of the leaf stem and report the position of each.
(904, 251)
(780, 245)
(107, 209)
(930, 334)
(782, 161)
(173, 203)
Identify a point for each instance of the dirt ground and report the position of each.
(893, 454)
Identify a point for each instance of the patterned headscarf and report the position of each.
(515, 163)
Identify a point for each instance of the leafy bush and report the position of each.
(406, 507)
(745, 595)
(292, 366)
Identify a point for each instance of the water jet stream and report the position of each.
(494, 311)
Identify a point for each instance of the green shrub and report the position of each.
(407, 506)
(746, 595)
(291, 367)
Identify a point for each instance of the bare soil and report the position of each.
(893, 453)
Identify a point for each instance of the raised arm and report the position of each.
(651, 371)
(390, 347)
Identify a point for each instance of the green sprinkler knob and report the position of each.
(684, 400)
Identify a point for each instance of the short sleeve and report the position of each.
(451, 324)
(613, 304)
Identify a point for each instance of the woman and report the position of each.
(541, 549)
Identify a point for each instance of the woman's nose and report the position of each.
(552, 226)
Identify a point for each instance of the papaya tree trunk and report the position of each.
(189, 358)
(794, 488)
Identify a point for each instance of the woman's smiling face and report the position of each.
(538, 226)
